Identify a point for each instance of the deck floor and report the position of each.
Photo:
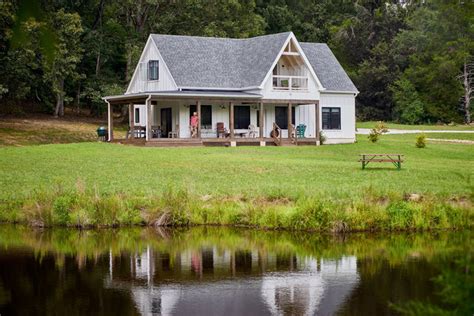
(190, 142)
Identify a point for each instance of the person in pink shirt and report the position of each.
(194, 122)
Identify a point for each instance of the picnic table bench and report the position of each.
(396, 159)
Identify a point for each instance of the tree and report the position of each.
(67, 55)
(467, 79)
(432, 51)
(409, 107)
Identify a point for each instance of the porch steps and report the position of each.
(173, 142)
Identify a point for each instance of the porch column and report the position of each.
(260, 119)
(316, 122)
(110, 121)
(148, 120)
(231, 119)
(131, 115)
(198, 107)
(290, 129)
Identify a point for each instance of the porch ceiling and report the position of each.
(198, 95)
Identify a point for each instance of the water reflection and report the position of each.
(216, 271)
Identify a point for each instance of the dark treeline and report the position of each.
(411, 60)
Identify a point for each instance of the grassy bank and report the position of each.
(44, 129)
(316, 188)
(373, 212)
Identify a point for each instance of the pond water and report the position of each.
(223, 271)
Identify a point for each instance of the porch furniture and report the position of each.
(241, 134)
(137, 132)
(252, 132)
(174, 133)
(300, 130)
(221, 130)
(156, 132)
(396, 159)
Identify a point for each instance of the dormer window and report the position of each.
(153, 70)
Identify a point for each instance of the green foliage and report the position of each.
(322, 138)
(404, 59)
(377, 131)
(409, 108)
(420, 141)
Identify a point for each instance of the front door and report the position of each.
(166, 124)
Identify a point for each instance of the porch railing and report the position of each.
(276, 134)
(290, 83)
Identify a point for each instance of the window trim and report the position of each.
(157, 71)
(330, 112)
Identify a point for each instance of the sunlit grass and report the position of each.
(371, 124)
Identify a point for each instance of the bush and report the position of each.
(378, 130)
(421, 141)
(322, 138)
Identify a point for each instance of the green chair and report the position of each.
(300, 130)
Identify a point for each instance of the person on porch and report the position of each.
(194, 122)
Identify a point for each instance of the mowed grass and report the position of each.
(391, 125)
(332, 170)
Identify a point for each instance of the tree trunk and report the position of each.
(128, 65)
(97, 64)
(78, 98)
(59, 111)
(467, 93)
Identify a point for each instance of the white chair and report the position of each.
(252, 132)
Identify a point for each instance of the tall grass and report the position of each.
(370, 211)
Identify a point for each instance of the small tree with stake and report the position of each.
(379, 129)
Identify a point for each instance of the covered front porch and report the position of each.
(225, 118)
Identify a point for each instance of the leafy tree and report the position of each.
(67, 55)
(409, 108)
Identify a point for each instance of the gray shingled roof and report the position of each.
(327, 68)
(208, 62)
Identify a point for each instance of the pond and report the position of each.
(224, 271)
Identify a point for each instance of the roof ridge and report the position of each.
(220, 38)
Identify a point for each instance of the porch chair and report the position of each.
(174, 133)
(155, 132)
(300, 130)
(221, 130)
(252, 132)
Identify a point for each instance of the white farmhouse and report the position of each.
(266, 90)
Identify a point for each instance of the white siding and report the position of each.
(347, 104)
(140, 82)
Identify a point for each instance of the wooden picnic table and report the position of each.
(396, 159)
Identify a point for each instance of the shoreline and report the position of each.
(370, 212)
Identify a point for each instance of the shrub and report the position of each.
(421, 141)
(378, 130)
(322, 138)
(61, 209)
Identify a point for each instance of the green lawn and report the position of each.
(463, 136)
(250, 171)
(459, 127)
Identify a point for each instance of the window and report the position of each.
(153, 70)
(258, 118)
(206, 115)
(281, 116)
(241, 117)
(137, 115)
(331, 118)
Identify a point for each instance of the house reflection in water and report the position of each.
(216, 281)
